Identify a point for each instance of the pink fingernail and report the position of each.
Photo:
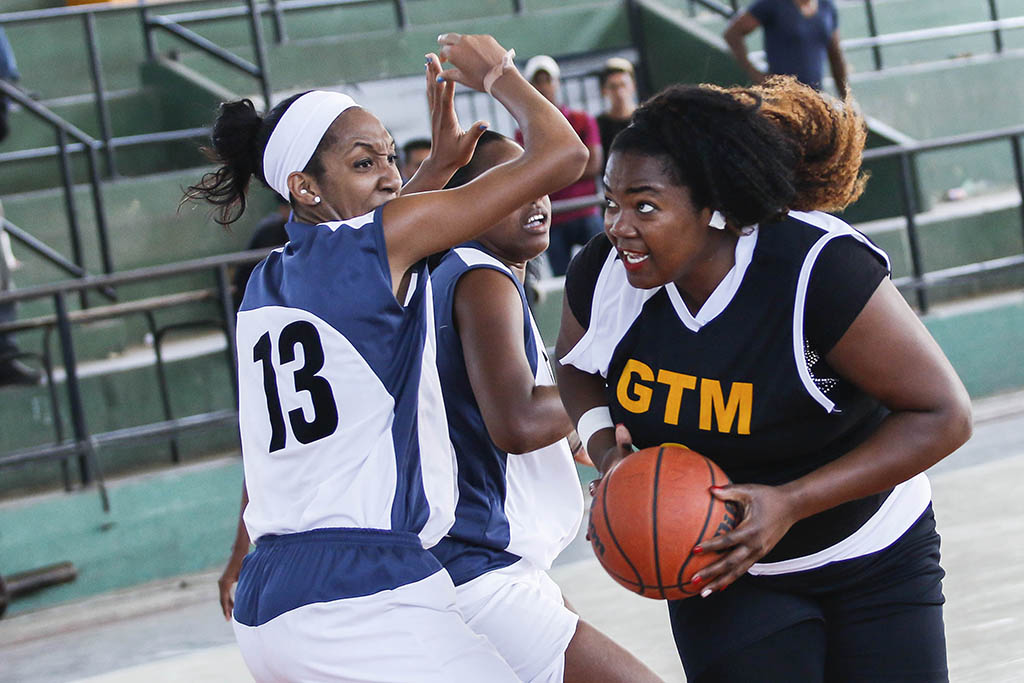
(706, 592)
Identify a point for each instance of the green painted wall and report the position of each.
(165, 524)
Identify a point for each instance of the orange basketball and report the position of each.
(650, 512)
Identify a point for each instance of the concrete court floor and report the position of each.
(171, 631)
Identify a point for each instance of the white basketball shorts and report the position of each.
(521, 612)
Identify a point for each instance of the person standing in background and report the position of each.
(798, 36)
(618, 88)
(575, 227)
(12, 371)
(8, 72)
(413, 153)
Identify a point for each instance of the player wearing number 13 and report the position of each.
(347, 465)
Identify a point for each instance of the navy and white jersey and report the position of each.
(744, 380)
(341, 417)
(511, 506)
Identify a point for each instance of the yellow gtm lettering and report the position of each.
(640, 400)
(677, 383)
(741, 401)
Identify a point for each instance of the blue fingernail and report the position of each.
(440, 79)
(483, 126)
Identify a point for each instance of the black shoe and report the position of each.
(16, 372)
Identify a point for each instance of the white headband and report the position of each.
(297, 133)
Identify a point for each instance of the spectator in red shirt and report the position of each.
(577, 226)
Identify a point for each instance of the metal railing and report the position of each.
(65, 131)
(921, 280)
(83, 444)
(71, 140)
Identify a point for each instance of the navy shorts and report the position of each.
(872, 618)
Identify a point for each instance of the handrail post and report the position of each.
(907, 190)
(1018, 173)
(260, 48)
(401, 17)
(280, 33)
(96, 71)
(87, 463)
(518, 6)
(148, 39)
(227, 307)
(69, 204)
(101, 215)
(997, 36)
(876, 51)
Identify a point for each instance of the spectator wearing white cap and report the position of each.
(580, 225)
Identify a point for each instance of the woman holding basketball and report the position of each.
(347, 465)
(726, 312)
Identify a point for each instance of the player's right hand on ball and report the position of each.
(472, 57)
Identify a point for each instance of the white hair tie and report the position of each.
(297, 134)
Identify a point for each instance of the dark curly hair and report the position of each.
(753, 153)
(239, 137)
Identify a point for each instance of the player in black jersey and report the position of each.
(724, 311)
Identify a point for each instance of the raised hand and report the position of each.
(472, 56)
(450, 146)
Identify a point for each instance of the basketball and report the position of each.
(650, 512)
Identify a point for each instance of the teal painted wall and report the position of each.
(163, 524)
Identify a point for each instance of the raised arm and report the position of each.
(837, 63)
(421, 224)
(520, 416)
(735, 36)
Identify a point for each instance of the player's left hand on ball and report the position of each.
(765, 517)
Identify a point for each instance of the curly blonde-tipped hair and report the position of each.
(831, 136)
(754, 153)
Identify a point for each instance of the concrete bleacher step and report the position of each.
(118, 392)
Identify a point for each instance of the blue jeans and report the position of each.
(565, 235)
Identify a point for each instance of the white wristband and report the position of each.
(498, 69)
(593, 421)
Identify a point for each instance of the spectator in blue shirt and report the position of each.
(798, 36)
(8, 72)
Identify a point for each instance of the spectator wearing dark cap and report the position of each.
(798, 37)
(618, 88)
(578, 226)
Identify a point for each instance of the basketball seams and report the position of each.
(707, 520)
(611, 534)
(654, 520)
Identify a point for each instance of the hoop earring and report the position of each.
(717, 221)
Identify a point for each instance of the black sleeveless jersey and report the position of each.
(741, 381)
